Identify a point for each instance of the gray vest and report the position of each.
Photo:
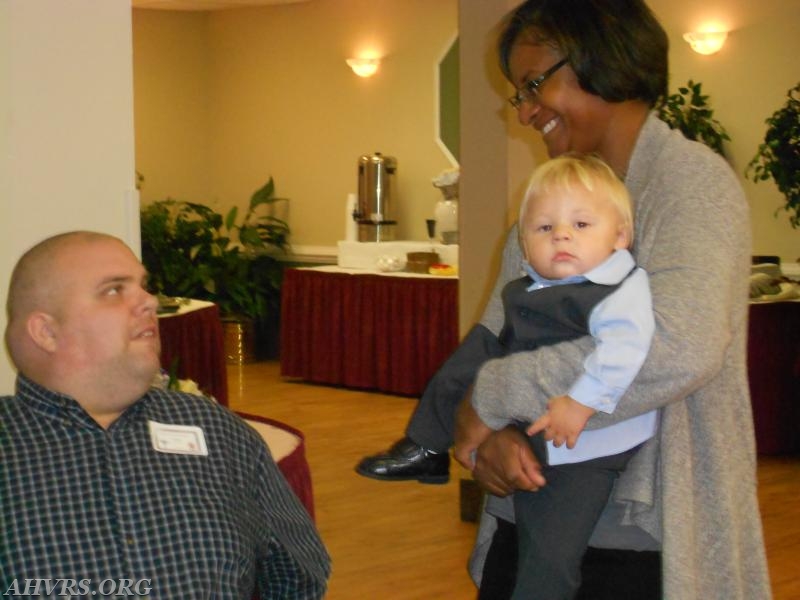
(549, 315)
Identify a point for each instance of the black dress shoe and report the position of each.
(406, 460)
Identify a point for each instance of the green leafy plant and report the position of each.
(778, 157)
(190, 250)
(689, 111)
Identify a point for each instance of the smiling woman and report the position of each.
(601, 102)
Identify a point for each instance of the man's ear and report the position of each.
(41, 328)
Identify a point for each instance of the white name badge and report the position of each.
(178, 439)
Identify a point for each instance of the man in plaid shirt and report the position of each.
(112, 487)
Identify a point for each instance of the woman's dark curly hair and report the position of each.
(617, 48)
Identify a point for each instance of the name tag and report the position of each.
(178, 439)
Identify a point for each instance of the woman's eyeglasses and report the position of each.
(530, 91)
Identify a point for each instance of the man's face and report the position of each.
(106, 325)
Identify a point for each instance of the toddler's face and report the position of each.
(571, 231)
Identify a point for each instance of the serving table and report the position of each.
(192, 336)
(773, 369)
(367, 330)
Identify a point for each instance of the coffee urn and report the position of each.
(376, 195)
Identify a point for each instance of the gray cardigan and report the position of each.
(693, 486)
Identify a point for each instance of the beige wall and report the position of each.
(747, 81)
(172, 96)
(250, 93)
(328, 117)
(66, 127)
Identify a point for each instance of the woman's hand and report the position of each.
(469, 434)
(505, 463)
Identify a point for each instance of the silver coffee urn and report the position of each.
(376, 195)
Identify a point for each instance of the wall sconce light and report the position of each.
(706, 42)
(364, 67)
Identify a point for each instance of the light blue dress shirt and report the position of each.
(622, 326)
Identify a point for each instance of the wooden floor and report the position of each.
(405, 540)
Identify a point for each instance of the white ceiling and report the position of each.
(206, 4)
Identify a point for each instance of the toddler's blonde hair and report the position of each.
(586, 170)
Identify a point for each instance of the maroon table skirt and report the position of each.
(367, 331)
(773, 364)
(195, 339)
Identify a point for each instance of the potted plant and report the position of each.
(190, 250)
(689, 111)
(778, 157)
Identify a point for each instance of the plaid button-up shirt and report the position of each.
(82, 504)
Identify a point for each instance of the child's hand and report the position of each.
(538, 425)
(564, 421)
